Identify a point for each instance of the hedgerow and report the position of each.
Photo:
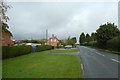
(13, 51)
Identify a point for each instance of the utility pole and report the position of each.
(46, 35)
(119, 15)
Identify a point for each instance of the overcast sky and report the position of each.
(31, 19)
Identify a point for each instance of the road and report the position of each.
(99, 64)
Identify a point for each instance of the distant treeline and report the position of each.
(69, 41)
(107, 36)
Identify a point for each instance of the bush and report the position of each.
(60, 46)
(43, 48)
(91, 43)
(114, 44)
(13, 51)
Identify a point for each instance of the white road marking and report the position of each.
(103, 55)
(100, 54)
(115, 60)
(93, 49)
(82, 66)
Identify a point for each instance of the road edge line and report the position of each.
(82, 68)
(115, 60)
(100, 54)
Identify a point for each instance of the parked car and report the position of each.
(68, 47)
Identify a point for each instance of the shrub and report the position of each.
(91, 43)
(60, 46)
(114, 44)
(13, 51)
(43, 48)
(94, 43)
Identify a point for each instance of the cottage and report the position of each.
(53, 41)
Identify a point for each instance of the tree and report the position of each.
(82, 38)
(105, 33)
(3, 17)
(3, 10)
(25, 41)
(71, 41)
(63, 42)
(93, 36)
(88, 38)
(5, 29)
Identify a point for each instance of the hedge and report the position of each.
(43, 48)
(114, 44)
(60, 46)
(91, 43)
(13, 51)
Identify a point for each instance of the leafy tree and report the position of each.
(88, 38)
(63, 42)
(105, 33)
(93, 36)
(68, 38)
(25, 41)
(5, 28)
(69, 41)
(82, 38)
(34, 41)
(72, 41)
(43, 41)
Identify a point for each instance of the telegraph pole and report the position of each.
(46, 35)
(119, 15)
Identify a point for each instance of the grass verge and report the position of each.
(40, 65)
(0, 69)
(63, 50)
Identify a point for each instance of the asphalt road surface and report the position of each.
(99, 64)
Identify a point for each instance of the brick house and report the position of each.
(53, 41)
(6, 39)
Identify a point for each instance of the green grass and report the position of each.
(42, 65)
(0, 69)
(63, 50)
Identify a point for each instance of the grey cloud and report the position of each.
(30, 20)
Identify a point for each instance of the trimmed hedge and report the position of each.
(43, 48)
(114, 44)
(13, 51)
